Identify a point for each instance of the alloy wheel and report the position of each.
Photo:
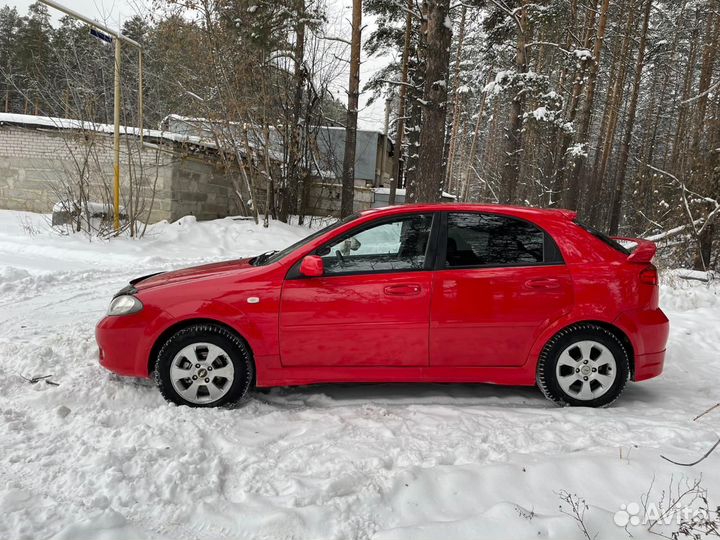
(586, 370)
(202, 373)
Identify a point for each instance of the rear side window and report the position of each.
(475, 239)
(604, 238)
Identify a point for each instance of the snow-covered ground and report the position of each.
(103, 458)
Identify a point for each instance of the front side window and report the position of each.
(495, 240)
(274, 256)
(400, 244)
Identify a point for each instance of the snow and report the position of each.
(401, 191)
(100, 457)
(582, 54)
(496, 87)
(94, 208)
(568, 128)
(540, 114)
(577, 150)
(68, 123)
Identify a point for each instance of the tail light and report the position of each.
(649, 275)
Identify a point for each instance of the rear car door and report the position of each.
(371, 307)
(499, 281)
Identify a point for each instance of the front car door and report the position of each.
(372, 305)
(499, 281)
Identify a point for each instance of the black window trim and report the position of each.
(430, 255)
(441, 252)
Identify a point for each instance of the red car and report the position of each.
(417, 293)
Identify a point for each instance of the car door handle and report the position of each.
(402, 290)
(542, 283)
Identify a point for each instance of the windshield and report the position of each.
(262, 261)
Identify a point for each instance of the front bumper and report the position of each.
(124, 345)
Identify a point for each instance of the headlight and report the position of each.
(124, 305)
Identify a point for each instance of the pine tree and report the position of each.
(9, 25)
(34, 54)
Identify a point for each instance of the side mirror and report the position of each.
(312, 266)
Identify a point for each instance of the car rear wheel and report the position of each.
(584, 365)
(204, 365)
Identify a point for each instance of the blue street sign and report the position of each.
(100, 35)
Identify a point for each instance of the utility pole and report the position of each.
(116, 139)
(117, 37)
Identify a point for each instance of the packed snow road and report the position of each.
(86, 455)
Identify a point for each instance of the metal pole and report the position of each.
(140, 93)
(118, 37)
(116, 139)
(91, 22)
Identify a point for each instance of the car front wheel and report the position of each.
(584, 365)
(204, 365)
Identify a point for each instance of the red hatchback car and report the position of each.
(417, 293)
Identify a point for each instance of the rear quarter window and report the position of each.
(617, 246)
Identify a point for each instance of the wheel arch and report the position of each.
(179, 325)
(613, 329)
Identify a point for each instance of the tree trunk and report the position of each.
(647, 149)
(575, 188)
(563, 141)
(395, 180)
(413, 147)
(704, 249)
(513, 145)
(701, 173)
(289, 201)
(431, 165)
(617, 196)
(449, 183)
(610, 121)
(470, 156)
(700, 105)
(348, 173)
(687, 85)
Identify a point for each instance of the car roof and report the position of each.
(519, 211)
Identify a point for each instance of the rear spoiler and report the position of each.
(643, 252)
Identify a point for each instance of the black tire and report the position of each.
(238, 354)
(547, 378)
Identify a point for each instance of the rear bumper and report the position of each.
(648, 366)
(648, 330)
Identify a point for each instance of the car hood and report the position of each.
(190, 274)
